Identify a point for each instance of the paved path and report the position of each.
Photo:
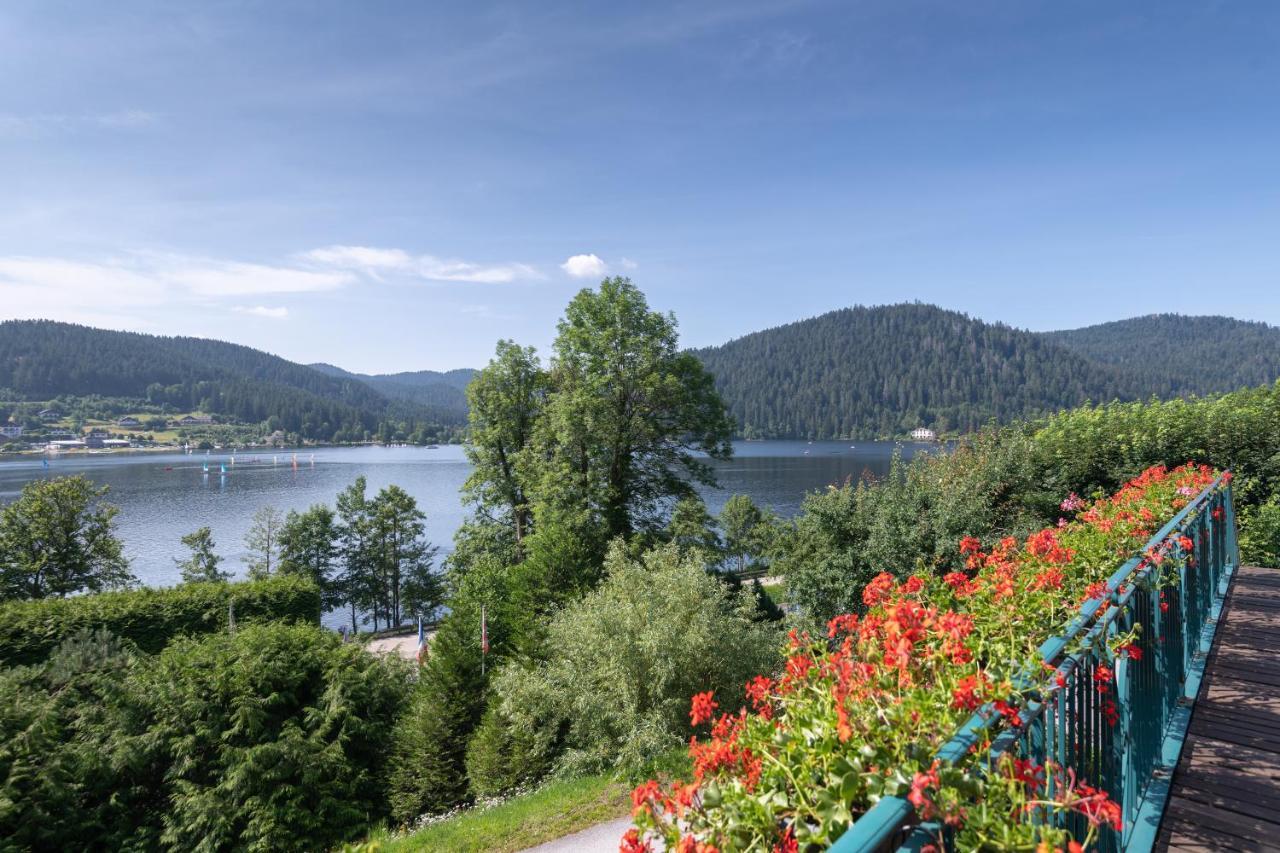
(601, 838)
(406, 646)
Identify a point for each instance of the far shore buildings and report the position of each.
(10, 431)
(49, 414)
(194, 420)
(923, 434)
(128, 422)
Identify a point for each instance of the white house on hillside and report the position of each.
(923, 434)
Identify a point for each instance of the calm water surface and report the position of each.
(165, 496)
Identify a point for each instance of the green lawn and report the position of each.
(776, 591)
(556, 809)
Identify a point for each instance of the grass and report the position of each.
(557, 809)
(776, 591)
(554, 810)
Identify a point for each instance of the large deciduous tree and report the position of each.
(506, 399)
(628, 412)
(58, 538)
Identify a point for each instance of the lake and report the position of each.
(163, 496)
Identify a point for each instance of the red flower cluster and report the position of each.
(897, 679)
(703, 708)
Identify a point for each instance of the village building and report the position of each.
(923, 434)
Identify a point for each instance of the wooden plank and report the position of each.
(1226, 788)
(1219, 819)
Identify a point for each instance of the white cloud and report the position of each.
(123, 292)
(585, 266)
(377, 262)
(262, 311)
(231, 278)
(360, 257)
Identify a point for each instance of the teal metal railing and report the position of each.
(1150, 698)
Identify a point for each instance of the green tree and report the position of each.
(506, 400)
(428, 762)
(405, 565)
(749, 532)
(309, 547)
(357, 547)
(692, 529)
(623, 661)
(263, 541)
(627, 411)
(202, 565)
(58, 538)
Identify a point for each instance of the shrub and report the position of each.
(620, 665)
(1260, 534)
(275, 738)
(909, 521)
(72, 773)
(272, 738)
(150, 618)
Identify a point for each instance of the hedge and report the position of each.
(150, 618)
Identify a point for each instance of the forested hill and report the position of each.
(867, 372)
(444, 390)
(1171, 355)
(42, 359)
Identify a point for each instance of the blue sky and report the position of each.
(393, 186)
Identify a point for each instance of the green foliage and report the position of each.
(1260, 534)
(202, 565)
(58, 538)
(613, 690)
(910, 521)
(388, 566)
(692, 529)
(506, 400)
(750, 534)
(626, 411)
(150, 618)
(1011, 480)
(275, 737)
(272, 738)
(309, 547)
(73, 774)
(263, 542)
(429, 772)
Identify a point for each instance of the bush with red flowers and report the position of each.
(860, 713)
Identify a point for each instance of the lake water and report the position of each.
(163, 496)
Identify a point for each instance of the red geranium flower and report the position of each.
(703, 708)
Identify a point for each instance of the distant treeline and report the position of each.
(880, 372)
(41, 360)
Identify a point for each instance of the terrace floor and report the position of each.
(1226, 788)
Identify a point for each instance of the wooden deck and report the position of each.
(1226, 790)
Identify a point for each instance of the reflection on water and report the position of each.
(164, 496)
